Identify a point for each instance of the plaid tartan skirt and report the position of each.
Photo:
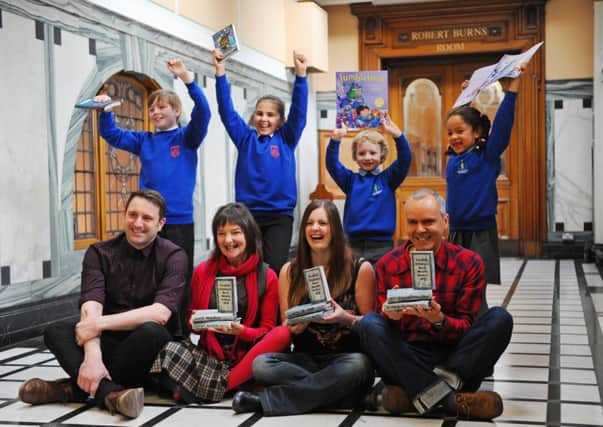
(189, 366)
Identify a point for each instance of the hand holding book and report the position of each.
(339, 315)
(218, 61)
(235, 329)
(99, 102)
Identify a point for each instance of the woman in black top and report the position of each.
(325, 367)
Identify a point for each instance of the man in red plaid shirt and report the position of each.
(437, 357)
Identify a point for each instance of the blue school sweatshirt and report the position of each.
(168, 159)
(265, 178)
(472, 198)
(370, 204)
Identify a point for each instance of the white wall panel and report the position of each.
(24, 216)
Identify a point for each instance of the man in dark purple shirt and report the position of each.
(132, 286)
(437, 356)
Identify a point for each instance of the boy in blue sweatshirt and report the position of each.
(168, 158)
(265, 178)
(369, 217)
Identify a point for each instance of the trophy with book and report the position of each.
(422, 265)
(320, 299)
(226, 312)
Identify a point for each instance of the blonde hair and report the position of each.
(373, 137)
(169, 97)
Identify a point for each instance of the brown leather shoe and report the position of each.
(395, 400)
(37, 391)
(481, 405)
(128, 402)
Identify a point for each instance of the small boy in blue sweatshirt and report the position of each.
(369, 217)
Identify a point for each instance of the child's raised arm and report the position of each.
(218, 61)
(397, 171)
(177, 68)
(390, 127)
(339, 133)
(301, 64)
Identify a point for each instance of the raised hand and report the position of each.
(301, 63)
(514, 83)
(177, 68)
(339, 133)
(102, 98)
(218, 61)
(390, 127)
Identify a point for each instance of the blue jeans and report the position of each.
(300, 382)
(410, 364)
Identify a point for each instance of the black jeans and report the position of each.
(184, 236)
(276, 239)
(127, 355)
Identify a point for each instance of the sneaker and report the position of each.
(481, 405)
(37, 391)
(128, 402)
(395, 400)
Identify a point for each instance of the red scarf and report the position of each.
(203, 285)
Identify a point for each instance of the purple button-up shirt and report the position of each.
(122, 278)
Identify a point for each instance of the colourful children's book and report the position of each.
(226, 40)
(361, 98)
(92, 104)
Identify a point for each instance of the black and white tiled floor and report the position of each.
(551, 374)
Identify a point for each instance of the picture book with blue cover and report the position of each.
(361, 98)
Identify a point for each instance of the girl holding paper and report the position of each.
(471, 173)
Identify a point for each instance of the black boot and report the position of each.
(245, 401)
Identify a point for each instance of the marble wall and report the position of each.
(24, 190)
(570, 156)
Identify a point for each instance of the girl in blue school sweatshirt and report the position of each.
(369, 215)
(265, 178)
(471, 173)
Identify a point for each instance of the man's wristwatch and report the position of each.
(440, 324)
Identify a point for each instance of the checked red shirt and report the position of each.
(460, 281)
